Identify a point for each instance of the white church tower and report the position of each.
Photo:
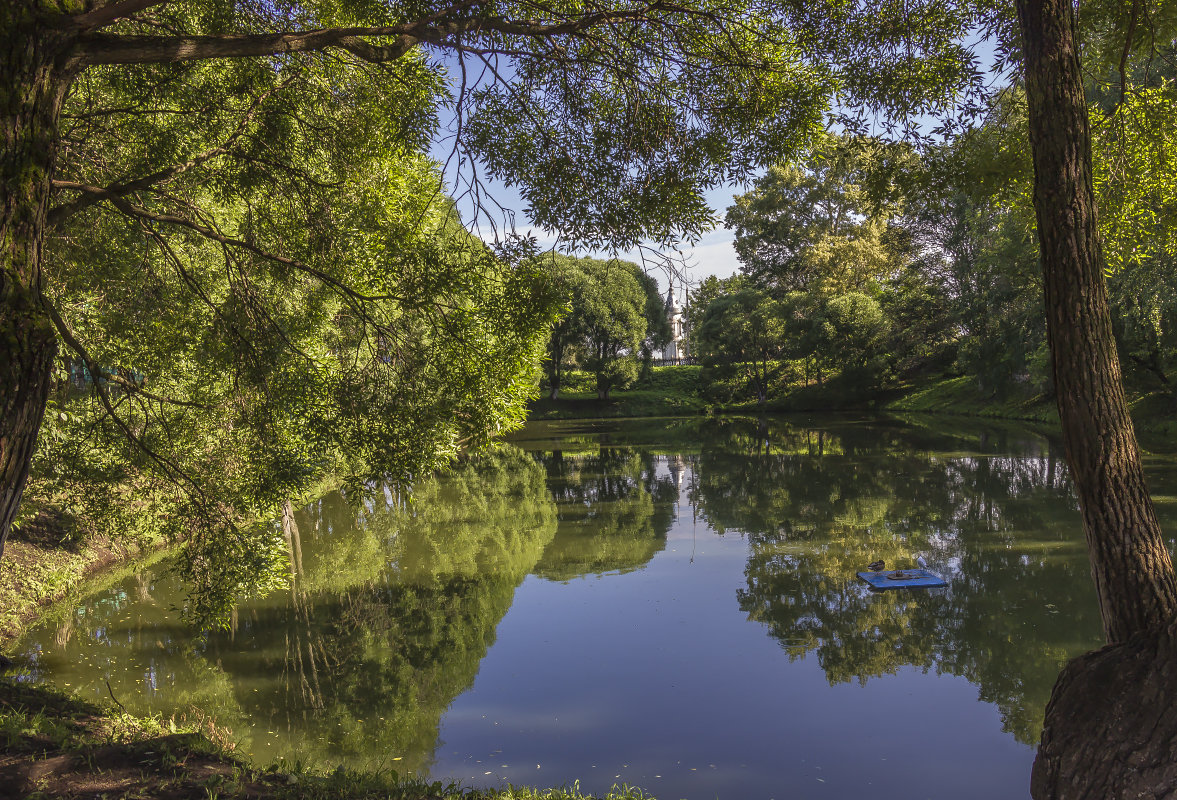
(676, 349)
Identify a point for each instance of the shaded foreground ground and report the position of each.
(52, 745)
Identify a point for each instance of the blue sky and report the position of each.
(713, 254)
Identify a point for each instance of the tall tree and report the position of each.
(606, 322)
(818, 226)
(1103, 735)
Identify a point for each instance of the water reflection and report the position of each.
(816, 508)
(615, 511)
(392, 609)
(385, 622)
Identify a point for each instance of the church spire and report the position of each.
(675, 349)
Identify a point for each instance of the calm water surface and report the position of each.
(665, 603)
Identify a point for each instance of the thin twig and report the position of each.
(115, 699)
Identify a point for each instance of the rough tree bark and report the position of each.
(1108, 733)
(1111, 733)
(1129, 561)
(33, 81)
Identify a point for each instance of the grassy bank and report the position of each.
(53, 745)
(960, 396)
(41, 568)
(1154, 414)
(668, 391)
(679, 390)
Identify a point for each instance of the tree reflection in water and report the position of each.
(392, 606)
(817, 506)
(390, 610)
(614, 510)
(393, 612)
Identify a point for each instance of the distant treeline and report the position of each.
(870, 264)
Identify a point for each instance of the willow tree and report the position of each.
(240, 185)
(279, 305)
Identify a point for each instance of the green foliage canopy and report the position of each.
(286, 306)
(821, 225)
(745, 331)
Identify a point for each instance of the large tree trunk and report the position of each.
(1129, 561)
(1109, 732)
(33, 81)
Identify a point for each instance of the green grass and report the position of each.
(684, 379)
(53, 744)
(1154, 414)
(641, 403)
(668, 391)
(959, 395)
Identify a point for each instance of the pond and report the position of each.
(667, 603)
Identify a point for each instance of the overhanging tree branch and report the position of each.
(1133, 15)
(89, 197)
(170, 468)
(94, 49)
(111, 49)
(132, 210)
(112, 12)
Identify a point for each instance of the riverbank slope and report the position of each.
(679, 390)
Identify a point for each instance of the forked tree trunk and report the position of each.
(1129, 561)
(32, 87)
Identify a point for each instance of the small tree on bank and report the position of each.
(614, 322)
(606, 323)
(851, 331)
